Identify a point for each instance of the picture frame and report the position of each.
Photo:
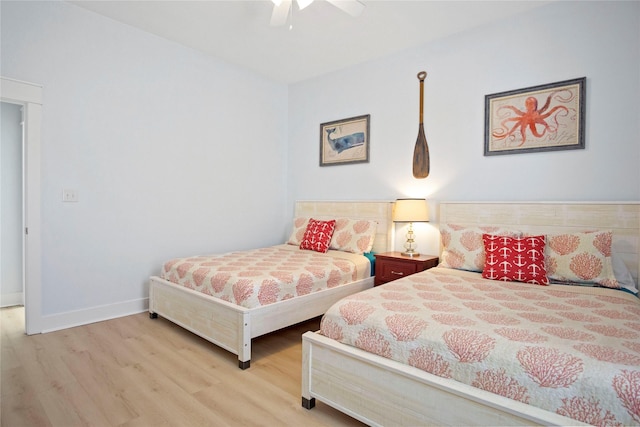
(539, 118)
(345, 141)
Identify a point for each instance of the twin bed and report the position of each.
(229, 299)
(449, 347)
(445, 346)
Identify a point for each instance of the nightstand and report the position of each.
(392, 265)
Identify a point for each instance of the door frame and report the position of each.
(29, 95)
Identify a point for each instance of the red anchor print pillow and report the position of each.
(515, 259)
(318, 235)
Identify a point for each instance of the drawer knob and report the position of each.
(397, 273)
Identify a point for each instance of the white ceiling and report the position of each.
(323, 38)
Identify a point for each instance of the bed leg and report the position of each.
(308, 403)
(153, 315)
(244, 365)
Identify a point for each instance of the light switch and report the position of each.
(69, 195)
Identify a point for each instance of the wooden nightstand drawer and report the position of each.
(392, 265)
(391, 270)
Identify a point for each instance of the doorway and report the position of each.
(11, 206)
(28, 97)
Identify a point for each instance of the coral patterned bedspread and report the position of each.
(566, 349)
(263, 276)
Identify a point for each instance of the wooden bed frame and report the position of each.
(380, 391)
(233, 327)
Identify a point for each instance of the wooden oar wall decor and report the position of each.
(421, 151)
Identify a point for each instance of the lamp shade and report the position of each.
(411, 210)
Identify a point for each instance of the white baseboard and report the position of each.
(9, 300)
(70, 319)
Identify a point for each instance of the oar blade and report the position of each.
(421, 156)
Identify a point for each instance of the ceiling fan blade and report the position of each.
(280, 13)
(352, 7)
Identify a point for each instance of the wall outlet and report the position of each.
(69, 195)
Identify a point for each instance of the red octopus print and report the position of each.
(538, 121)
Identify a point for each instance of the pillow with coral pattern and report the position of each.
(583, 257)
(353, 235)
(462, 246)
(297, 233)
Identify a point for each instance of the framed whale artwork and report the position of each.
(345, 141)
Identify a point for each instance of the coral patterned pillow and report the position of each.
(515, 259)
(353, 235)
(318, 235)
(581, 257)
(299, 227)
(462, 246)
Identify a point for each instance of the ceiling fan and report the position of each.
(282, 8)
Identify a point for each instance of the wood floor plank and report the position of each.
(138, 372)
(104, 384)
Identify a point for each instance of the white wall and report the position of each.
(11, 277)
(564, 40)
(172, 153)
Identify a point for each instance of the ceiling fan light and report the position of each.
(303, 3)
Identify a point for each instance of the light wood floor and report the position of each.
(135, 371)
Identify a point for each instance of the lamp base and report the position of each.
(410, 254)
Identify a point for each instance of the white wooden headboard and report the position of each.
(380, 211)
(623, 218)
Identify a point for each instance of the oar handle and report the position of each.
(421, 77)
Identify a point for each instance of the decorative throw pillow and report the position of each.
(318, 235)
(581, 257)
(299, 227)
(353, 235)
(518, 259)
(462, 246)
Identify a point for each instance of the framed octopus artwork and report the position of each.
(538, 118)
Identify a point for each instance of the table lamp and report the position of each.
(411, 210)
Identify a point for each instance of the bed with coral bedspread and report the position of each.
(231, 298)
(570, 350)
(449, 347)
(264, 276)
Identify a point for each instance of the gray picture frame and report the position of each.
(547, 117)
(346, 141)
